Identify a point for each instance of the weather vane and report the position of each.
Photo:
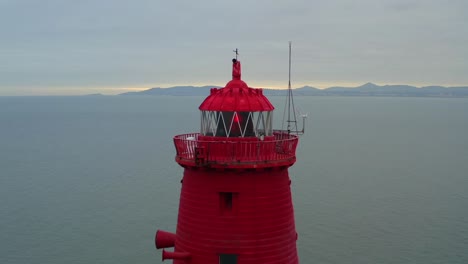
(237, 52)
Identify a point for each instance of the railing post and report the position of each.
(200, 155)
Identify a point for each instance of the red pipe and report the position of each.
(175, 255)
(164, 239)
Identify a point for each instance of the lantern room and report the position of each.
(236, 110)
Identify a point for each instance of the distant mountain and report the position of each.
(94, 94)
(176, 90)
(368, 89)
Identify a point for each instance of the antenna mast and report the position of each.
(291, 109)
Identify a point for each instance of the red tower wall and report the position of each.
(244, 212)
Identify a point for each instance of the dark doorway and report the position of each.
(227, 259)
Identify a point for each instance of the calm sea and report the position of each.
(90, 179)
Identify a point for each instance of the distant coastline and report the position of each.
(368, 89)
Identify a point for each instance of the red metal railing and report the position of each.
(193, 149)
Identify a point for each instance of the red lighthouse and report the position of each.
(235, 202)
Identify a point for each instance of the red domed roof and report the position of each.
(236, 96)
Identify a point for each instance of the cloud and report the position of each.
(182, 42)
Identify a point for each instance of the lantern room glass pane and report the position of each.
(236, 124)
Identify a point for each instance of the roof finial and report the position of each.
(236, 69)
(237, 52)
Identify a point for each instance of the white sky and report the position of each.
(111, 46)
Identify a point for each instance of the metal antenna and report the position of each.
(237, 52)
(291, 99)
(289, 105)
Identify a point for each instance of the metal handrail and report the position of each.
(231, 151)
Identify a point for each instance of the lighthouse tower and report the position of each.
(235, 202)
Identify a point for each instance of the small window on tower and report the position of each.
(227, 259)
(226, 201)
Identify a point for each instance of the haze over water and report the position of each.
(90, 179)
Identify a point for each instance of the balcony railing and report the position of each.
(195, 150)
